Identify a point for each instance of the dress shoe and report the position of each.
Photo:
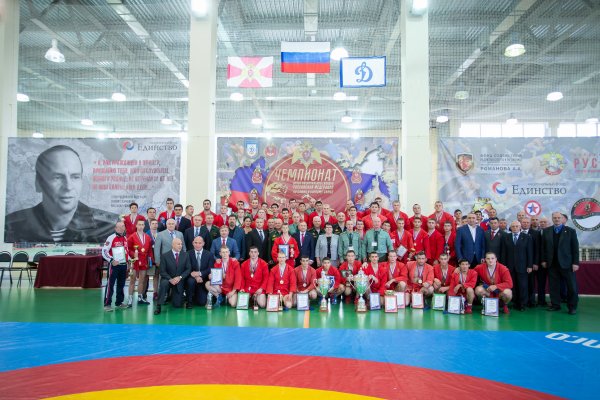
(157, 310)
(188, 305)
(522, 308)
(572, 311)
(544, 304)
(553, 308)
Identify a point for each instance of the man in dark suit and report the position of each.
(191, 233)
(201, 262)
(305, 242)
(258, 237)
(470, 242)
(493, 238)
(517, 253)
(212, 231)
(181, 223)
(175, 267)
(536, 241)
(560, 255)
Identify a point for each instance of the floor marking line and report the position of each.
(306, 319)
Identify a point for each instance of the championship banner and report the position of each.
(74, 190)
(331, 170)
(534, 175)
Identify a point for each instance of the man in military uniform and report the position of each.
(60, 216)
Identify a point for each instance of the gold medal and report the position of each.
(304, 285)
(281, 282)
(420, 281)
(251, 275)
(143, 250)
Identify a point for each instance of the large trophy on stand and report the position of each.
(323, 285)
(361, 285)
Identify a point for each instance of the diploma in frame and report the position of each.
(391, 304)
(490, 306)
(400, 300)
(273, 302)
(118, 254)
(439, 301)
(243, 300)
(216, 276)
(374, 302)
(302, 302)
(417, 300)
(285, 249)
(455, 304)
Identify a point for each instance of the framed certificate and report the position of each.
(416, 300)
(302, 302)
(273, 302)
(455, 304)
(391, 304)
(285, 249)
(400, 300)
(401, 251)
(374, 303)
(490, 306)
(216, 276)
(118, 254)
(243, 300)
(439, 301)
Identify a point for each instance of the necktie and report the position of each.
(493, 234)
(329, 246)
(223, 245)
(557, 230)
(198, 255)
(262, 237)
(302, 239)
(377, 237)
(197, 232)
(176, 258)
(515, 237)
(351, 238)
(178, 219)
(173, 235)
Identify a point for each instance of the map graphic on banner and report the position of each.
(535, 175)
(330, 170)
(82, 186)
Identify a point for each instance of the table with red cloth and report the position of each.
(588, 277)
(69, 271)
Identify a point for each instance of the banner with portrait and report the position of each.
(74, 190)
(331, 170)
(534, 175)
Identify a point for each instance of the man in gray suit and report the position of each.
(176, 268)
(164, 240)
(327, 246)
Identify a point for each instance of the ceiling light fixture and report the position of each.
(346, 119)
(339, 96)
(338, 53)
(512, 120)
(37, 134)
(461, 95)
(166, 120)
(53, 54)
(118, 95)
(22, 97)
(418, 7)
(199, 8)
(87, 120)
(442, 119)
(236, 96)
(554, 96)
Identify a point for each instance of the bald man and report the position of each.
(175, 267)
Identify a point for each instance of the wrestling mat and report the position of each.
(69, 349)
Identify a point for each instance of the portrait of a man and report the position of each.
(60, 216)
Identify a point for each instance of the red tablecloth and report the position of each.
(69, 271)
(588, 277)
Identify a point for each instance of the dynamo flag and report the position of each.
(305, 57)
(249, 72)
(362, 72)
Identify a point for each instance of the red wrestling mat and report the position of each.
(367, 378)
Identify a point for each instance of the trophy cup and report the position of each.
(133, 260)
(255, 302)
(209, 301)
(361, 284)
(280, 300)
(323, 284)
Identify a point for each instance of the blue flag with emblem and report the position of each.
(362, 72)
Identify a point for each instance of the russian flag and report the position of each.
(305, 57)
